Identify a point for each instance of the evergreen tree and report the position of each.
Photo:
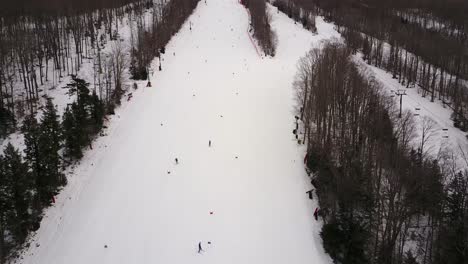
(34, 161)
(344, 238)
(80, 88)
(97, 113)
(31, 133)
(17, 176)
(71, 144)
(75, 129)
(49, 147)
(7, 121)
(81, 118)
(6, 208)
(80, 110)
(453, 243)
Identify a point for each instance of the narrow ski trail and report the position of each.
(245, 194)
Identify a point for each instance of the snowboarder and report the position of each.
(176, 161)
(310, 193)
(316, 214)
(209, 143)
(199, 247)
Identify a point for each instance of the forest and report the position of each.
(42, 45)
(423, 43)
(383, 199)
(260, 21)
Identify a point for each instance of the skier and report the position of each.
(310, 194)
(316, 214)
(176, 161)
(209, 143)
(199, 247)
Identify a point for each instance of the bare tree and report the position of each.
(119, 62)
(428, 129)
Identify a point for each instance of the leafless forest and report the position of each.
(260, 24)
(382, 198)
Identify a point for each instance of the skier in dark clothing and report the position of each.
(209, 143)
(199, 247)
(316, 214)
(176, 161)
(310, 194)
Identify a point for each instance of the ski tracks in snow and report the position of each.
(125, 207)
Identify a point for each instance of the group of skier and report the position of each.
(318, 212)
(200, 249)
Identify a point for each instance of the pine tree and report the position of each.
(80, 110)
(7, 121)
(453, 243)
(80, 88)
(49, 147)
(16, 171)
(71, 144)
(97, 113)
(81, 118)
(6, 208)
(33, 158)
(31, 133)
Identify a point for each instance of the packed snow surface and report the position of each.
(244, 198)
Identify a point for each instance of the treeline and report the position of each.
(260, 23)
(29, 181)
(423, 43)
(299, 10)
(150, 42)
(383, 199)
(38, 50)
(57, 7)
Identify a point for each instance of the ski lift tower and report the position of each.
(400, 92)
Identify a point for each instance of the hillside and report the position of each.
(129, 202)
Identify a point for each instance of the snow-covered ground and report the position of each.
(128, 202)
(55, 88)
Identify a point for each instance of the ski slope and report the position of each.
(245, 194)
